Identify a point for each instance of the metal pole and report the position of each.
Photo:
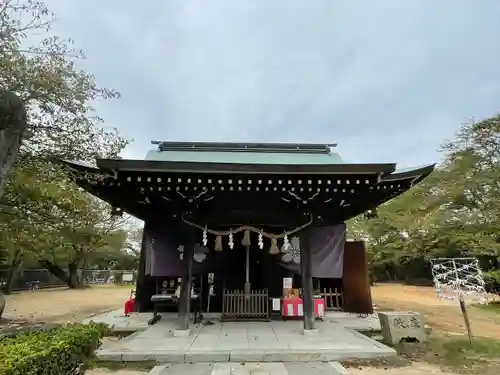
(247, 272)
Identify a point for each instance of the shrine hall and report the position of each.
(253, 231)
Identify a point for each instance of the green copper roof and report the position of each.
(242, 157)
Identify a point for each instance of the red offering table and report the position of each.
(294, 307)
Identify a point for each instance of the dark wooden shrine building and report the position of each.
(227, 217)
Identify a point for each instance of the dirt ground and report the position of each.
(61, 305)
(64, 305)
(414, 369)
(442, 316)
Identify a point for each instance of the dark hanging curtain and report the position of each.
(164, 250)
(327, 246)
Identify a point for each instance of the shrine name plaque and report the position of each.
(402, 326)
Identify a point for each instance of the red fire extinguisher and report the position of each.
(129, 304)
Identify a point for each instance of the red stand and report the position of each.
(293, 307)
(129, 304)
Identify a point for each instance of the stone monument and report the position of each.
(402, 326)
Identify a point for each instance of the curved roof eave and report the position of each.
(416, 173)
(79, 164)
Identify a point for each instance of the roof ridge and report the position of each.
(288, 148)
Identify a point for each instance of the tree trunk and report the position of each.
(13, 126)
(2, 303)
(81, 277)
(70, 278)
(12, 272)
(73, 275)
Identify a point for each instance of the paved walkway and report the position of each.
(288, 368)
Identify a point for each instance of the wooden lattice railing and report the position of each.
(333, 298)
(236, 305)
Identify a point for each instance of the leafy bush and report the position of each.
(60, 351)
(492, 281)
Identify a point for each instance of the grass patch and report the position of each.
(456, 354)
(461, 354)
(492, 307)
(450, 353)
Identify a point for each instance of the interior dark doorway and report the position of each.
(235, 270)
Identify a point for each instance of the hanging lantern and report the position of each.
(231, 239)
(286, 243)
(246, 238)
(205, 237)
(261, 240)
(218, 243)
(274, 247)
(116, 211)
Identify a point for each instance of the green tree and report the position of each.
(42, 70)
(68, 227)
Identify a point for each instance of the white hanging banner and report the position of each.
(287, 283)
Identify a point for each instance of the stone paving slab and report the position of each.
(120, 323)
(290, 368)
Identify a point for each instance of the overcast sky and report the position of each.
(386, 80)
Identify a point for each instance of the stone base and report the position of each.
(182, 332)
(311, 332)
(245, 342)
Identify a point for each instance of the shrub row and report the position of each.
(64, 350)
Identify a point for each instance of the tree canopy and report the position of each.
(44, 217)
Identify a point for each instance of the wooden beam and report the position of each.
(307, 281)
(234, 168)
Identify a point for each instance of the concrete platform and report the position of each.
(139, 322)
(275, 341)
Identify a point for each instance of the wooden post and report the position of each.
(307, 281)
(186, 283)
(463, 307)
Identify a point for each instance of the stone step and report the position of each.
(256, 356)
(266, 368)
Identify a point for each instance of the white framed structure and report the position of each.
(459, 279)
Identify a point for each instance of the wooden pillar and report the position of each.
(307, 281)
(141, 297)
(187, 277)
